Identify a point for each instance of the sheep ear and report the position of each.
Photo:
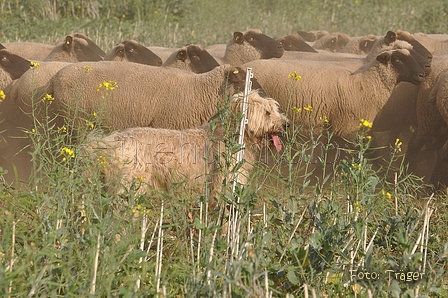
(383, 57)
(182, 55)
(2, 47)
(238, 37)
(390, 37)
(68, 43)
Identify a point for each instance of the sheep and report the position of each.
(439, 96)
(12, 67)
(146, 95)
(34, 51)
(359, 45)
(342, 97)
(312, 36)
(332, 42)
(217, 50)
(193, 58)
(250, 45)
(133, 51)
(162, 52)
(436, 44)
(31, 86)
(430, 122)
(294, 42)
(192, 154)
(75, 47)
(391, 37)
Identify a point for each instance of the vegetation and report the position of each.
(316, 219)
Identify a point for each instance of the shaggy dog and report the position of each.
(160, 157)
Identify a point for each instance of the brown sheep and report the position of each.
(251, 45)
(34, 51)
(332, 42)
(76, 47)
(12, 67)
(133, 51)
(359, 45)
(312, 36)
(151, 96)
(294, 42)
(342, 96)
(192, 58)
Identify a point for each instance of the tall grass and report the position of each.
(294, 231)
(315, 220)
(177, 22)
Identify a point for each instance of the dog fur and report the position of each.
(160, 157)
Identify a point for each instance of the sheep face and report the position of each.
(407, 69)
(80, 48)
(417, 46)
(265, 45)
(295, 43)
(311, 36)
(14, 65)
(367, 43)
(132, 51)
(192, 57)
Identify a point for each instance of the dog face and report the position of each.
(264, 118)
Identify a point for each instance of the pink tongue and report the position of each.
(277, 142)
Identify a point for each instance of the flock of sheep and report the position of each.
(397, 81)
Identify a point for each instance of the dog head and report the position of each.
(263, 118)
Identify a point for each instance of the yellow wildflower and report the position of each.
(2, 95)
(140, 178)
(368, 137)
(62, 129)
(94, 114)
(365, 123)
(90, 124)
(294, 76)
(68, 151)
(109, 86)
(102, 160)
(386, 194)
(34, 64)
(308, 108)
(48, 97)
(88, 68)
(398, 143)
(324, 119)
(357, 206)
(297, 110)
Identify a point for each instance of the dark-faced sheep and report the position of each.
(251, 45)
(192, 58)
(34, 51)
(360, 45)
(76, 47)
(133, 51)
(12, 67)
(151, 96)
(335, 93)
(191, 155)
(429, 132)
(332, 42)
(312, 36)
(294, 42)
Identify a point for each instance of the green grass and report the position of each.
(301, 230)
